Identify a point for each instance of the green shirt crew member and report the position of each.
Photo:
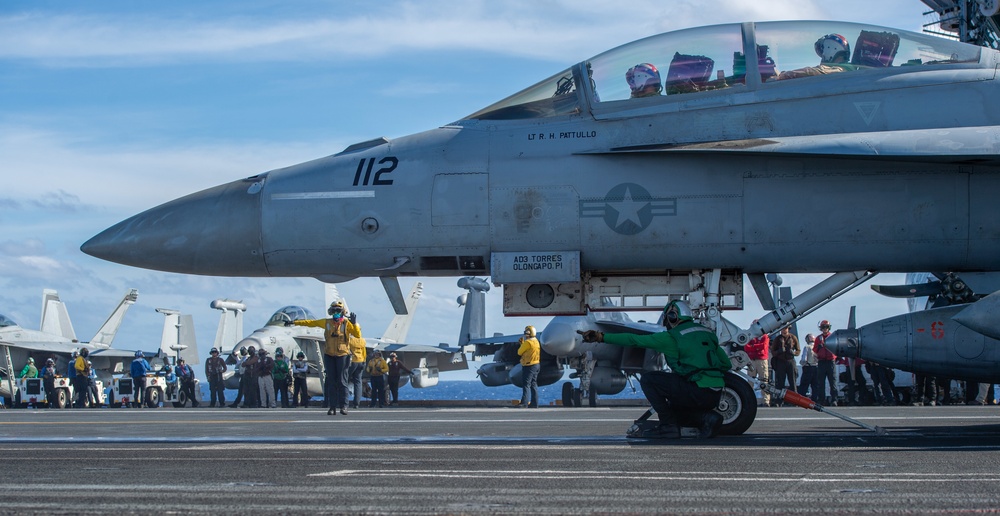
(688, 394)
(29, 371)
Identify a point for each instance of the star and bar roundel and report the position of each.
(628, 208)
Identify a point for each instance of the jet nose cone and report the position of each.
(559, 339)
(844, 343)
(213, 232)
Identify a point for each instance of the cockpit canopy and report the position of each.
(714, 58)
(6, 321)
(288, 314)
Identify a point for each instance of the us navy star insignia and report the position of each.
(628, 208)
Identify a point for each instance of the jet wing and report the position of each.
(500, 339)
(48, 347)
(443, 357)
(121, 353)
(951, 145)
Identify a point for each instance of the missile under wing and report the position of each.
(883, 154)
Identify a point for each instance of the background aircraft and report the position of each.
(56, 339)
(425, 361)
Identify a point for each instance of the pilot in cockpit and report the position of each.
(834, 53)
(644, 80)
(833, 49)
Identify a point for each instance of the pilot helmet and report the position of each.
(644, 80)
(301, 355)
(676, 312)
(336, 310)
(529, 331)
(832, 47)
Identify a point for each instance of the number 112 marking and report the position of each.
(389, 163)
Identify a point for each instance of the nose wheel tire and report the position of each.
(737, 406)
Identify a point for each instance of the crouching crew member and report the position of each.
(689, 393)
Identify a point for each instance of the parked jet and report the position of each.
(425, 361)
(610, 180)
(56, 339)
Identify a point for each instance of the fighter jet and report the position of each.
(425, 361)
(670, 167)
(56, 339)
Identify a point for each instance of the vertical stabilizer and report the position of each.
(474, 319)
(55, 318)
(400, 324)
(109, 329)
(178, 336)
(330, 294)
(230, 330)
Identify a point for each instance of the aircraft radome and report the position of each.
(754, 158)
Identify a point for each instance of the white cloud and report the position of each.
(552, 31)
(136, 177)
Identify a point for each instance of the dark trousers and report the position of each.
(300, 394)
(187, 387)
(50, 391)
(281, 391)
(216, 389)
(676, 400)
(378, 391)
(856, 386)
(530, 376)
(827, 372)
(252, 391)
(783, 373)
(138, 389)
(393, 383)
(242, 389)
(808, 381)
(884, 390)
(81, 388)
(337, 369)
(354, 372)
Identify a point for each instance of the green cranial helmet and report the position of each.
(676, 312)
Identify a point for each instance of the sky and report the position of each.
(110, 108)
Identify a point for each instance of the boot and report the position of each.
(711, 421)
(662, 431)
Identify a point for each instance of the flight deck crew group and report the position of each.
(687, 395)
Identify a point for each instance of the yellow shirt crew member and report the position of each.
(339, 333)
